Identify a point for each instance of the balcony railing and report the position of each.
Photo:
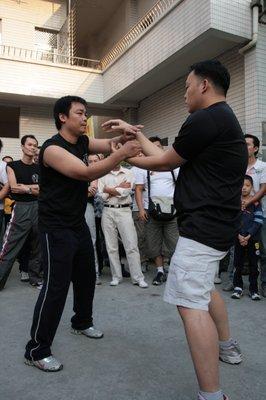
(159, 10)
(47, 56)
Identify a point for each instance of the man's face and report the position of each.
(251, 148)
(93, 158)
(194, 92)
(30, 147)
(76, 121)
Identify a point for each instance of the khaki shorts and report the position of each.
(191, 274)
(161, 237)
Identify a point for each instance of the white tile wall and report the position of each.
(20, 17)
(232, 16)
(183, 24)
(261, 74)
(164, 112)
(255, 85)
(49, 81)
(34, 120)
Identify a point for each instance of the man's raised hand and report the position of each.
(129, 131)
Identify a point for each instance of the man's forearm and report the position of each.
(4, 191)
(138, 197)
(148, 148)
(103, 145)
(111, 191)
(103, 167)
(153, 163)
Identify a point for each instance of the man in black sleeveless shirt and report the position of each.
(67, 250)
(210, 150)
(23, 177)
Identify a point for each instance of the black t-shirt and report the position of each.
(62, 200)
(208, 190)
(26, 174)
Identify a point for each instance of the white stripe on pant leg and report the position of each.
(45, 295)
(7, 232)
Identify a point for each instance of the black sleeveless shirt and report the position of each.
(62, 200)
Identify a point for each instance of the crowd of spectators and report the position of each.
(132, 222)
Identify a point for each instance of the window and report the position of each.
(46, 39)
(9, 121)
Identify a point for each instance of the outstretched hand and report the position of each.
(129, 132)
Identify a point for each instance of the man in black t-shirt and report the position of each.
(23, 177)
(210, 150)
(67, 249)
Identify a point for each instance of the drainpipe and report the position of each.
(255, 6)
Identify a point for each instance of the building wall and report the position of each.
(186, 22)
(261, 71)
(20, 18)
(35, 120)
(255, 87)
(164, 112)
(51, 81)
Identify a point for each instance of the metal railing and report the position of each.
(149, 19)
(47, 56)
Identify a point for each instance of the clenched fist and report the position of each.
(130, 149)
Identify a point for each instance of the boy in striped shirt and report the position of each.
(248, 242)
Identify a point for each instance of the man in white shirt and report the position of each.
(257, 170)
(4, 189)
(115, 189)
(161, 236)
(139, 174)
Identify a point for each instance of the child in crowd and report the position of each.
(248, 241)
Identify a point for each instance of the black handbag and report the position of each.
(154, 209)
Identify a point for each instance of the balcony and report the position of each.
(170, 37)
(47, 57)
(46, 75)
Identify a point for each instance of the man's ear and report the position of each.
(204, 85)
(62, 118)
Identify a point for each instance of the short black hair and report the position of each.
(215, 71)
(1, 145)
(155, 139)
(3, 159)
(249, 178)
(63, 105)
(256, 141)
(25, 137)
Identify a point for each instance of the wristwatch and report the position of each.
(29, 190)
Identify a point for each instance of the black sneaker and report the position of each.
(237, 293)
(159, 279)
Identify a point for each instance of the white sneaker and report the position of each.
(24, 276)
(114, 282)
(142, 284)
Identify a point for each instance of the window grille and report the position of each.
(46, 39)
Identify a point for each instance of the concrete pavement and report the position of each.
(143, 356)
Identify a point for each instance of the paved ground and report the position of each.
(143, 355)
